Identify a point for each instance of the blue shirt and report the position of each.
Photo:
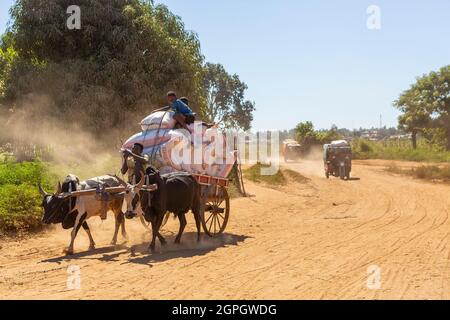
(179, 106)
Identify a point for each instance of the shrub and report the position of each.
(25, 172)
(20, 207)
(20, 201)
(364, 146)
(432, 172)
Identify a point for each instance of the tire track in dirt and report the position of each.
(390, 222)
(312, 239)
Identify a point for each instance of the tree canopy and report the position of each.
(308, 136)
(116, 68)
(225, 98)
(425, 105)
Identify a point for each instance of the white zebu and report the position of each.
(74, 211)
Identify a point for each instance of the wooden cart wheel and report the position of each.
(215, 212)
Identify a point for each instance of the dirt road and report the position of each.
(312, 239)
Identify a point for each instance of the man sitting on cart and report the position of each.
(183, 113)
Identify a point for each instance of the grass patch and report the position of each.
(429, 172)
(280, 178)
(393, 150)
(254, 174)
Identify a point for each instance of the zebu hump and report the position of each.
(107, 180)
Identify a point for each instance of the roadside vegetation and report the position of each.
(398, 150)
(20, 201)
(253, 173)
(429, 172)
(281, 178)
(426, 148)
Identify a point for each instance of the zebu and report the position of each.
(73, 211)
(176, 192)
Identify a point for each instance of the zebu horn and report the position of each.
(42, 191)
(121, 181)
(58, 188)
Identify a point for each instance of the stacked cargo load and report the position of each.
(209, 152)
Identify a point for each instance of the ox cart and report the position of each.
(215, 210)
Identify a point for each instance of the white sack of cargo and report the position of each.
(160, 119)
(339, 143)
(148, 139)
(213, 157)
(290, 141)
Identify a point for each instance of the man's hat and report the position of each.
(171, 93)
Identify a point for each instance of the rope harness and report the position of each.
(153, 154)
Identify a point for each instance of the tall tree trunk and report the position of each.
(414, 139)
(447, 130)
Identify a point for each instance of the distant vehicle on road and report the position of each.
(292, 150)
(337, 158)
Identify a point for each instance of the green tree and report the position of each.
(7, 57)
(414, 118)
(305, 134)
(125, 57)
(226, 104)
(427, 103)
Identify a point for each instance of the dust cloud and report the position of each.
(314, 153)
(69, 148)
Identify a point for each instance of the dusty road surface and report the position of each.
(314, 238)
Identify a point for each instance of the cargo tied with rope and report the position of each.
(215, 159)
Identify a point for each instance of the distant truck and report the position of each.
(292, 150)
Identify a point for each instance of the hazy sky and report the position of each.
(317, 60)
